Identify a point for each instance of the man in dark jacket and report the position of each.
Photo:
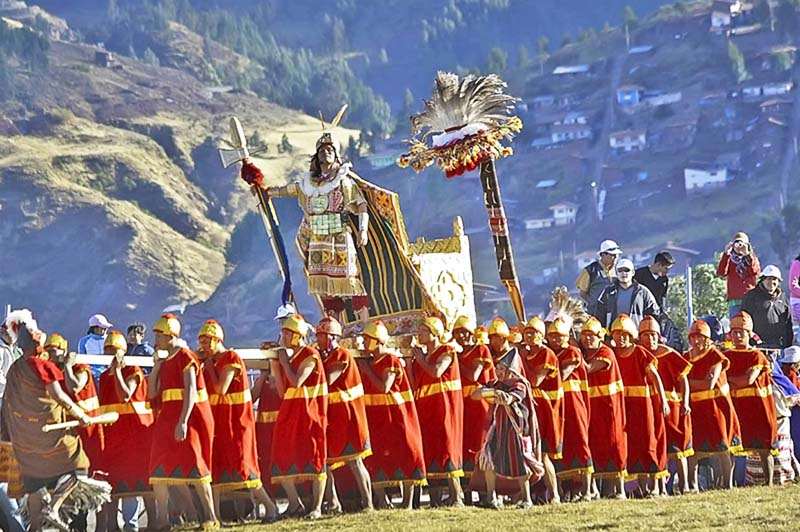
(769, 308)
(626, 296)
(598, 275)
(654, 277)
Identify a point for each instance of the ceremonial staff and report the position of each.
(239, 152)
(466, 119)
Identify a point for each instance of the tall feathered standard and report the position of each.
(565, 306)
(466, 120)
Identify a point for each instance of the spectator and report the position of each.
(654, 277)
(794, 290)
(137, 345)
(598, 275)
(739, 265)
(92, 343)
(769, 308)
(625, 296)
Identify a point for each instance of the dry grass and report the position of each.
(740, 510)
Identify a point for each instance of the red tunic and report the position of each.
(607, 438)
(643, 457)
(715, 425)
(548, 398)
(300, 451)
(576, 457)
(672, 368)
(476, 413)
(235, 459)
(127, 442)
(348, 431)
(754, 403)
(394, 426)
(440, 407)
(187, 461)
(269, 402)
(92, 435)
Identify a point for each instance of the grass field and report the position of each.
(741, 510)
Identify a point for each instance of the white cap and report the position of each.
(98, 320)
(790, 355)
(772, 271)
(284, 311)
(625, 263)
(609, 246)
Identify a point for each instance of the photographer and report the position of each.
(739, 265)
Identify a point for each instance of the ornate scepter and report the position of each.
(465, 120)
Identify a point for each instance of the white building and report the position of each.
(777, 89)
(704, 176)
(564, 213)
(723, 13)
(532, 224)
(568, 132)
(628, 140)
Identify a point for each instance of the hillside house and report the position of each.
(629, 95)
(776, 107)
(639, 50)
(627, 140)
(570, 132)
(571, 71)
(571, 118)
(542, 102)
(752, 91)
(103, 58)
(667, 98)
(777, 89)
(704, 176)
(564, 213)
(533, 224)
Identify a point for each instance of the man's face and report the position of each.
(110, 350)
(323, 341)
(740, 337)
(589, 340)
(162, 340)
(556, 341)
(661, 269)
(326, 154)
(622, 339)
(135, 337)
(57, 355)
(771, 284)
(649, 339)
(625, 276)
(608, 259)
(100, 331)
(462, 336)
(204, 344)
(424, 335)
(698, 341)
(287, 338)
(497, 342)
(532, 337)
(370, 344)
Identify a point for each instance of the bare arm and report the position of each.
(567, 370)
(189, 400)
(337, 370)
(684, 387)
(385, 383)
(125, 388)
(435, 370)
(296, 378)
(74, 382)
(477, 369)
(537, 377)
(655, 379)
(741, 381)
(60, 396)
(596, 365)
(226, 377)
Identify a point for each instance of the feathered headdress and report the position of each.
(17, 319)
(566, 307)
(467, 118)
(327, 131)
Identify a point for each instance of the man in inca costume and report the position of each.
(335, 221)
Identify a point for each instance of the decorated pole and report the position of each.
(239, 153)
(465, 121)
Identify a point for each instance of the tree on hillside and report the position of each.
(383, 57)
(498, 60)
(523, 57)
(408, 105)
(784, 61)
(149, 57)
(785, 233)
(542, 51)
(6, 80)
(737, 62)
(338, 35)
(629, 17)
(708, 295)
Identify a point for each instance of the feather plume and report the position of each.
(19, 318)
(338, 117)
(565, 306)
(456, 103)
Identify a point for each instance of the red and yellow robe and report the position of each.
(348, 431)
(715, 425)
(187, 461)
(440, 407)
(300, 450)
(576, 456)
(269, 402)
(235, 459)
(672, 368)
(394, 425)
(128, 440)
(86, 398)
(548, 398)
(607, 438)
(640, 427)
(476, 412)
(754, 404)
